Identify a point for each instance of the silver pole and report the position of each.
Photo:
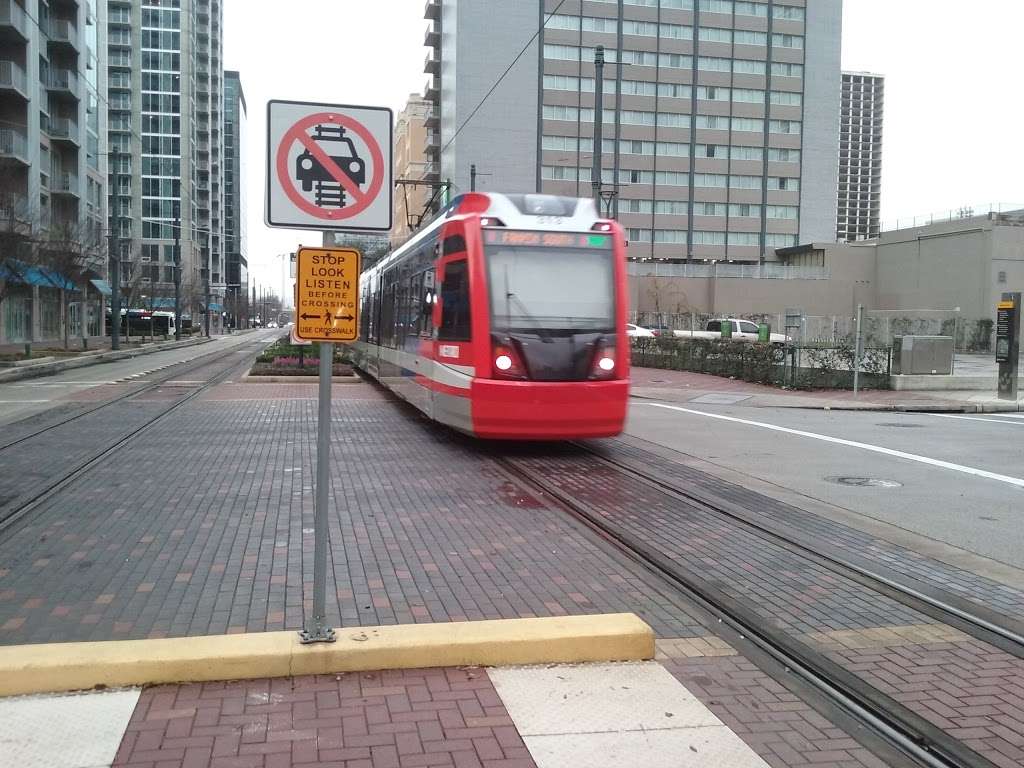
(859, 350)
(317, 631)
(595, 172)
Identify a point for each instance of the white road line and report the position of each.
(974, 418)
(22, 402)
(1017, 481)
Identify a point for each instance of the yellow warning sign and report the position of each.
(327, 294)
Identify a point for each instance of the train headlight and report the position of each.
(606, 363)
(503, 362)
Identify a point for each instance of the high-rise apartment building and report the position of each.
(726, 113)
(51, 127)
(860, 157)
(411, 142)
(236, 242)
(165, 120)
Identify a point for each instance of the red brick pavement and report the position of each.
(774, 722)
(969, 689)
(389, 719)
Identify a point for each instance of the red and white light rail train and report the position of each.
(504, 318)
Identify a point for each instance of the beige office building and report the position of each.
(411, 138)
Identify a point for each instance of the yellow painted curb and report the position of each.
(55, 667)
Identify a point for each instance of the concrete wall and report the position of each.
(822, 96)
(502, 136)
(852, 280)
(1007, 257)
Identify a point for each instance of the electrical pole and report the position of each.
(115, 256)
(206, 296)
(618, 113)
(472, 177)
(595, 172)
(177, 266)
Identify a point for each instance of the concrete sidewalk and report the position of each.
(550, 716)
(683, 386)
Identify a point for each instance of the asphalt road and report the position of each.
(24, 398)
(953, 479)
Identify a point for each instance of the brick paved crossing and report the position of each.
(390, 719)
(423, 529)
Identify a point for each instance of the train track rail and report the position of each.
(18, 508)
(919, 740)
(174, 371)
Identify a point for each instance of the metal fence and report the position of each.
(798, 367)
(881, 327)
(766, 271)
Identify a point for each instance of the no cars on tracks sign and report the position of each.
(327, 294)
(329, 166)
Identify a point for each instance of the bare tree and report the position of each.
(18, 222)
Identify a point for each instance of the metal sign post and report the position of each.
(1008, 344)
(326, 309)
(858, 352)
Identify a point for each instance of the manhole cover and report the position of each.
(899, 424)
(864, 482)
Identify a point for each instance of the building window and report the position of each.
(744, 238)
(788, 41)
(751, 9)
(702, 237)
(789, 12)
(748, 67)
(709, 209)
(744, 211)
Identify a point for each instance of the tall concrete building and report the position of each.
(728, 113)
(52, 161)
(165, 119)
(411, 145)
(236, 241)
(51, 126)
(860, 157)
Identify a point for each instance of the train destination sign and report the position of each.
(327, 294)
(526, 238)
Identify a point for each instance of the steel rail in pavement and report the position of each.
(198, 361)
(971, 618)
(17, 509)
(912, 735)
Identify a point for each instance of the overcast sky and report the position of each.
(953, 95)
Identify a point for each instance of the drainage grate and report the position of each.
(864, 482)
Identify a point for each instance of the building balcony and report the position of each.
(119, 16)
(120, 81)
(13, 79)
(65, 183)
(432, 118)
(431, 91)
(63, 33)
(63, 82)
(14, 145)
(432, 38)
(432, 65)
(433, 143)
(14, 23)
(63, 129)
(119, 59)
(432, 10)
(44, 100)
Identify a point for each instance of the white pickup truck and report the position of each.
(742, 330)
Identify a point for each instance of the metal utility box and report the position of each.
(922, 355)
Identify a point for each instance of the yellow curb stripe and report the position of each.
(54, 667)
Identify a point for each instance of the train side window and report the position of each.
(455, 314)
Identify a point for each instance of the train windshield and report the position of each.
(551, 288)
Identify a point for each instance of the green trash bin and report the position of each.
(764, 332)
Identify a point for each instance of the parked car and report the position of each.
(660, 330)
(742, 330)
(635, 331)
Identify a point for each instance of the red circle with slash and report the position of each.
(297, 133)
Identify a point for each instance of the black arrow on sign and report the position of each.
(344, 317)
(304, 316)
